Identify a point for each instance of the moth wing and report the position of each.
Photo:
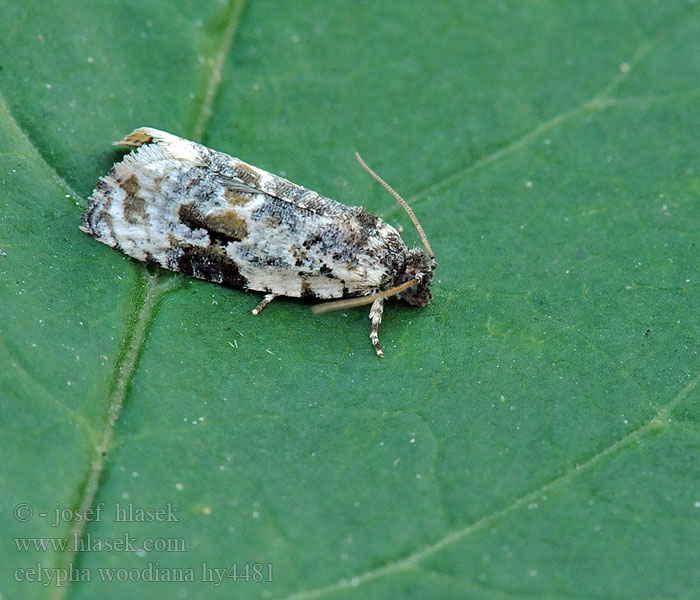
(210, 215)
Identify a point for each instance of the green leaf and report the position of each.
(532, 433)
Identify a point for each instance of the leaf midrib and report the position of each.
(144, 307)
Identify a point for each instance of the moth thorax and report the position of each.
(417, 266)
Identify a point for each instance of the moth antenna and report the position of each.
(402, 202)
(352, 302)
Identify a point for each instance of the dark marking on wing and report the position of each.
(98, 211)
(210, 263)
(366, 219)
(306, 290)
(134, 205)
(311, 241)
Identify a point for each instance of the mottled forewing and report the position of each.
(212, 216)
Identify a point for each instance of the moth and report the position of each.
(209, 215)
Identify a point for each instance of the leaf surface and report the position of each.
(532, 433)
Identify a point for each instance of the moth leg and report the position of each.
(264, 302)
(375, 314)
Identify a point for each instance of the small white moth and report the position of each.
(209, 215)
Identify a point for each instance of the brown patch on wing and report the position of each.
(228, 223)
(235, 198)
(306, 290)
(273, 221)
(134, 205)
(135, 139)
(222, 228)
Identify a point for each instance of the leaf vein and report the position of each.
(127, 365)
(660, 420)
(4, 108)
(206, 109)
(599, 101)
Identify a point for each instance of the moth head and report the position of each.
(413, 285)
(417, 267)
